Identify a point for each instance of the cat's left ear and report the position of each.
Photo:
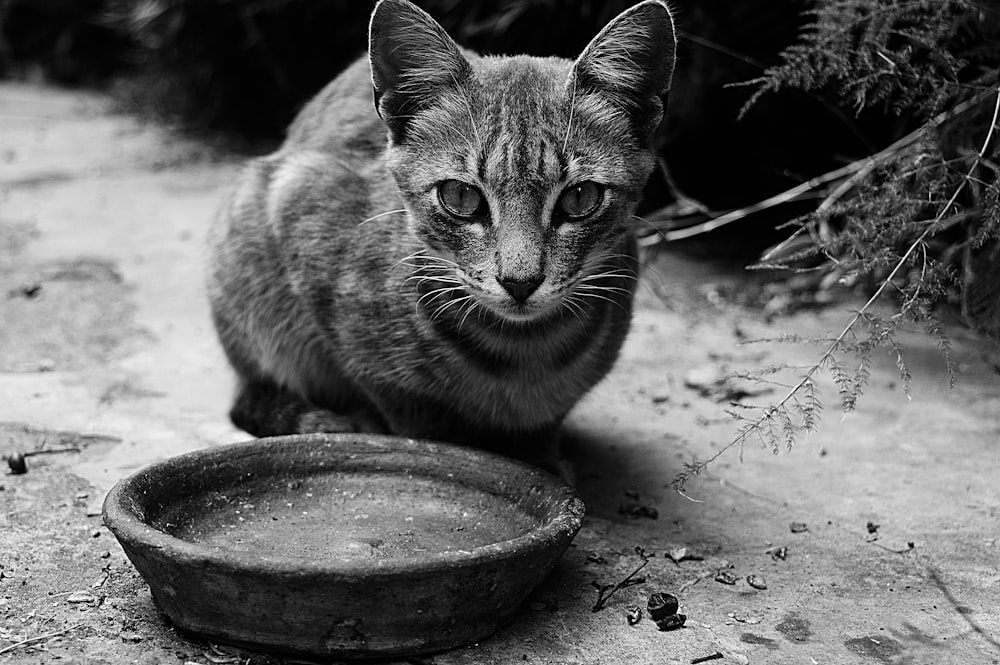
(412, 60)
(630, 63)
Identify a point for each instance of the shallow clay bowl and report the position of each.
(346, 545)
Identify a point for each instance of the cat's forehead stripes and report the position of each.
(521, 117)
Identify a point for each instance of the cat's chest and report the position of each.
(504, 378)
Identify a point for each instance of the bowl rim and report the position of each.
(134, 532)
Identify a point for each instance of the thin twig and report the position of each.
(932, 228)
(605, 592)
(38, 638)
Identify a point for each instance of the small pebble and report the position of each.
(679, 554)
(81, 597)
(746, 617)
(105, 554)
(726, 577)
(798, 527)
(30, 290)
(661, 606)
(756, 581)
(778, 553)
(17, 463)
(633, 614)
(672, 622)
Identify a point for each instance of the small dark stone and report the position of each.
(633, 614)
(662, 605)
(672, 622)
(778, 553)
(798, 527)
(17, 463)
(751, 638)
(872, 527)
(30, 290)
(726, 577)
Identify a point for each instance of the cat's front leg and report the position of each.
(263, 408)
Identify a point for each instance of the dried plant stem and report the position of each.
(604, 592)
(848, 176)
(770, 412)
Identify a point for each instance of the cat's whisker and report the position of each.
(623, 273)
(603, 287)
(382, 214)
(570, 303)
(444, 289)
(428, 261)
(613, 274)
(602, 297)
(611, 289)
(403, 260)
(444, 278)
(441, 310)
(608, 262)
(652, 227)
(612, 255)
(431, 295)
(474, 304)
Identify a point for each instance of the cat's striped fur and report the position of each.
(347, 296)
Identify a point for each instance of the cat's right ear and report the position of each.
(412, 60)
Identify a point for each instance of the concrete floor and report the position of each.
(115, 354)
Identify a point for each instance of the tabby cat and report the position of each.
(456, 262)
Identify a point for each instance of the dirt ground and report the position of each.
(106, 348)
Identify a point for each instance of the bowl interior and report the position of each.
(340, 500)
(336, 515)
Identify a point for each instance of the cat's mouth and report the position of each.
(509, 309)
(523, 312)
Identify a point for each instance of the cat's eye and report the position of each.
(459, 198)
(580, 200)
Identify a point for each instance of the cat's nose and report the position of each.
(520, 289)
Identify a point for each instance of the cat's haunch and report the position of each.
(456, 262)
